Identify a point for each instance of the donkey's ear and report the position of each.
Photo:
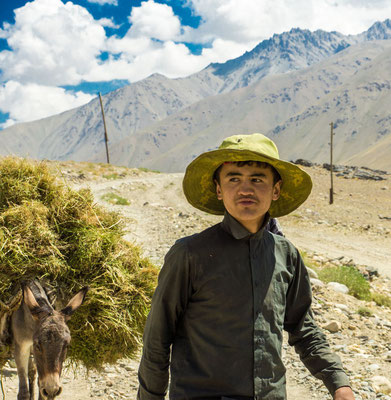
(36, 310)
(75, 302)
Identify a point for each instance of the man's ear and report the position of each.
(218, 190)
(277, 190)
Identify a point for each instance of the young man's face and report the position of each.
(247, 193)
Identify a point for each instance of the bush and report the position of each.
(349, 276)
(59, 235)
(365, 312)
(381, 299)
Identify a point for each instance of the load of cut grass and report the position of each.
(51, 232)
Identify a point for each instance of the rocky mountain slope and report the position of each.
(351, 88)
(136, 110)
(355, 229)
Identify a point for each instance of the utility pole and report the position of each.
(331, 163)
(104, 124)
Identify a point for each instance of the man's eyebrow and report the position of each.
(233, 173)
(238, 173)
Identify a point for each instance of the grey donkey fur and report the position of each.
(40, 338)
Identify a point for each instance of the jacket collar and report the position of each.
(238, 231)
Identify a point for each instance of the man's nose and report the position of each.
(246, 188)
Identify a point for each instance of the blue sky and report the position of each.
(57, 54)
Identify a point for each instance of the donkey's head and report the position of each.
(51, 339)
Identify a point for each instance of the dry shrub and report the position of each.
(59, 235)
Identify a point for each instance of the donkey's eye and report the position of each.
(38, 347)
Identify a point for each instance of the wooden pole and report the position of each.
(104, 124)
(331, 163)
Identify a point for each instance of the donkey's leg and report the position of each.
(32, 376)
(22, 355)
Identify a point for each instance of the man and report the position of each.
(225, 295)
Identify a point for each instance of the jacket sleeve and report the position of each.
(168, 304)
(307, 338)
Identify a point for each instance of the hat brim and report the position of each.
(200, 190)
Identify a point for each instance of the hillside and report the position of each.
(352, 89)
(355, 229)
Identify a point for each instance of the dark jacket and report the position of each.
(223, 298)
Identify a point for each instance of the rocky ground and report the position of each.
(356, 229)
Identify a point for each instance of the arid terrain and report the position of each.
(356, 229)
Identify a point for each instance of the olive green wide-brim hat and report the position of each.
(200, 189)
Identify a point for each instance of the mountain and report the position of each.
(284, 86)
(77, 134)
(351, 88)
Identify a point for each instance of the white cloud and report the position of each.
(130, 46)
(31, 101)
(102, 2)
(52, 43)
(170, 59)
(224, 50)
(148, 47)
(108, 23)
(253, 20)
(155, 21)
(348, 16)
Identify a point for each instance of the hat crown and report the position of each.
(255, 142)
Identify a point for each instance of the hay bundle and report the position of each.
(60, 236)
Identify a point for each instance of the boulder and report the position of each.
(338, 287)
(381, 384)
(333, 326)
(305, 163)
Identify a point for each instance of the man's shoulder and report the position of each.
(282, 243)
(201, 237)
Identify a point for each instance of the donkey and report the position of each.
(40, 331)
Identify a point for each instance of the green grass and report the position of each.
(349, 276)
(113, 198)
(365, 312)
(149, 170)
(381, 299)
(113, 176)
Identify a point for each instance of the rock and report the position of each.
(338, 287)
(373, 367)
(316, 282)
(381, 384)
(342, 307)
(319, 258)
(372, 271)
(360, 174)
(336, 168)
(312, 273)
(333, 326)
(303, 162)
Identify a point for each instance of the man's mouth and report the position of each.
(246, 201)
